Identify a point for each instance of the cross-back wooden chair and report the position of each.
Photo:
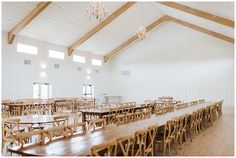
(130, 116)
(184, 129)
(54, 132)
(23, 138)
(179, 126)
(73, 128)
(192, 125)
(168, 137)
(107, 149)
(112, 116)
(139, 142)
(61, 120)
(10, 128)
(120, 119)
(220, 104)
(16, 111)
(94, 124)
(125, 145)
(150, 142)
(5, 114)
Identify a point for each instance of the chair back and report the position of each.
(125, 145)
(150, 140)
(10, 127)
(106, 149)
(61, 120)
(23, 138)
(140, 141)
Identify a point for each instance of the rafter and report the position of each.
(165, 18)
(133, 38)
(100, 26)
(203, 30)
(199, 13)
(26, 20)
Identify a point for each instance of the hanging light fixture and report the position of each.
(141, 31)
(96, 11)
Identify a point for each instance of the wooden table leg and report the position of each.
(83, 117)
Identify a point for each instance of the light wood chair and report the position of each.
(61, 120)
(73, 128)
(16, 111)
(120, 119)
(97, 123)
(191, 127)
(112, 116)
(168, 137)
(5, 114)
(10, 129)
(184, 129)
(220, 104)
(107, 149)
(150, 140)
(125, 145)
(130, 115)
(23, 138)
(139, 142)
(54, 132)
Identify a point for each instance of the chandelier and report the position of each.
(141, 33)
(96, 11)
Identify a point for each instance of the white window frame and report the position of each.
(79, 59)
(56, 54)
(26, 49)
(96, 62)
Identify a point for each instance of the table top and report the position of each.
(80, 145)
(34, 119)
(30, 103)
(103, 110)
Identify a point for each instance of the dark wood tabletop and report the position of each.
(80, 145)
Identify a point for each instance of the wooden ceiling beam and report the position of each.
(100, 26)
(117, 50)
(165, 18)
(26, 20)
(199, 13)
(203, 30)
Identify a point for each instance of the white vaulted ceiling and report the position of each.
(62, 23)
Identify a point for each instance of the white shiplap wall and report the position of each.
(175, 61)
(17, 78)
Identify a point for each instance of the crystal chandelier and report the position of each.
(96, 11)
(141, 33)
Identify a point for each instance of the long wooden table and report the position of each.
(78, 145)
(100, 112)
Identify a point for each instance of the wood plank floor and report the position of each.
(218, 140)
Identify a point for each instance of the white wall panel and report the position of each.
(176, 61)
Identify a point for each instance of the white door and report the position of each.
(42, 91)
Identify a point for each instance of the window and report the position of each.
(56, 54)
(23, 48)
(96, 62)
(88, 90)
(79, 59)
